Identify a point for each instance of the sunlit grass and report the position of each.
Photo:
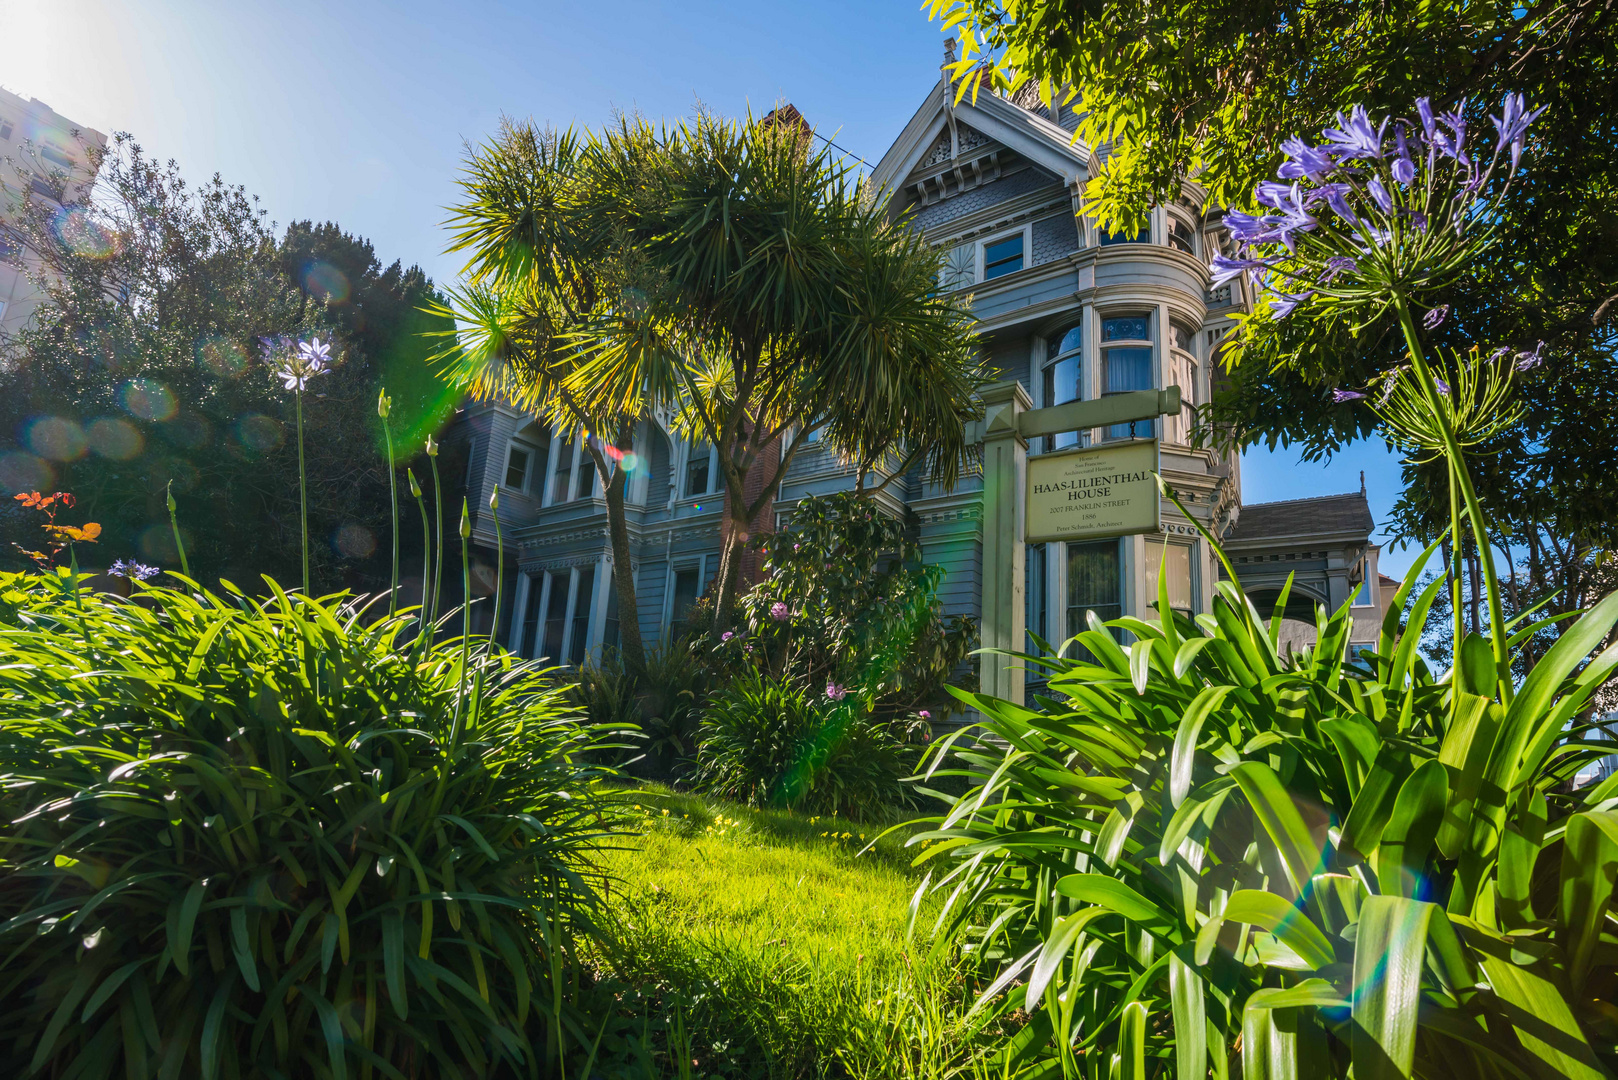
(781, 943)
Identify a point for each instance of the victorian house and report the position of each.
(1068, 311)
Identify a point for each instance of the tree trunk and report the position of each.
(630, 646)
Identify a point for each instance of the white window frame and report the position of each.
(685, 461)
(1025, 230)
(1153, 317)
(528, 470)
(1173, 213)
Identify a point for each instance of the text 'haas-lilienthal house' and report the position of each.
(1066, 312)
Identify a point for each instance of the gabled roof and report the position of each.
(1033, 136)
(1323, 515)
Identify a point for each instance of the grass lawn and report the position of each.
(776, 945)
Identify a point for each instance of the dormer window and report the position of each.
(1002, 257)
(517, 462)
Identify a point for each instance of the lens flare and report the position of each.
(20, 471)
(55, 437)
(114, 438)
(354, 541)
(148, 399)
(326, 282)
(82, 235)
(222, 356)
(259, 433)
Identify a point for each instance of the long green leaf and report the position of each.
(1589, 869)
(1300, 852)
(1389, 952)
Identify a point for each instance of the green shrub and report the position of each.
(849, 601)
(665, 706)
(768, 742)
(249, 840)
(1203, 843)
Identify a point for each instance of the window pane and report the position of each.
(555, 614)
(1126, 328)
(1179, 574)
(1142, 237)
(526, 640)
(1182, 337)
(1002, 257)
(581, 615)
(1125, 369)
(1062, 381)
(1362, 598)
(587, 477)
(1036, 593)
(696, 471)
(1093, 583)
(686, 583)
(1069, 341)
(517, 470)
(564, 471)
(1180, 236)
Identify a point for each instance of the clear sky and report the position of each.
(357, 111)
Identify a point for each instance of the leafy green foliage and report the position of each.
(252, 839)
(773, 742)
(1199, 838)
(143, 366)
(848, 600)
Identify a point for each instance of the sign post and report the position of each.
(1096, 492)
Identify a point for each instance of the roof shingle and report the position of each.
(1323, 514)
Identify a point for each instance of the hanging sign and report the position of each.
(1093, 493)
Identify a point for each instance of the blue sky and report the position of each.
(357, 112)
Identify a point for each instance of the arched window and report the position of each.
(1063, 379)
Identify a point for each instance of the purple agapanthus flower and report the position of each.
(1282, 304)
(134, 571)
(1342, 397)
(1295, 218)
(1338, 264)
(312, 358)
(1443, 387)
(1527, 361)
(1380, 195)
(1404, 170)
(1356, 136)
(1248, 228)
(836, 692)
(1335, 196)
(1435, 318)
(1512, 124)
(1224, 269)
(1424, 110)
(779, 611)
(1305, 161)
(1271, 193)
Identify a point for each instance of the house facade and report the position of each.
(1066, 310)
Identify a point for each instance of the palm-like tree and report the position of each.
(725, 271)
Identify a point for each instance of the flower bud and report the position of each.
(466, 520)
(494, 499)
(172, 504)
(415, 488)
(382, 403)
(432, 447)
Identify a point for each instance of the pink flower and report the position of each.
(779, 612)
(835, 692)
(726, 636)
(925, 715)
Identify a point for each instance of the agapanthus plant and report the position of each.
(295, 366)
(1378, 218)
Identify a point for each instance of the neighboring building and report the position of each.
(1064, 309)
(37, 147)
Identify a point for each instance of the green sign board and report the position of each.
(1093, 493)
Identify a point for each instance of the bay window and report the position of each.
(1063, 380)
